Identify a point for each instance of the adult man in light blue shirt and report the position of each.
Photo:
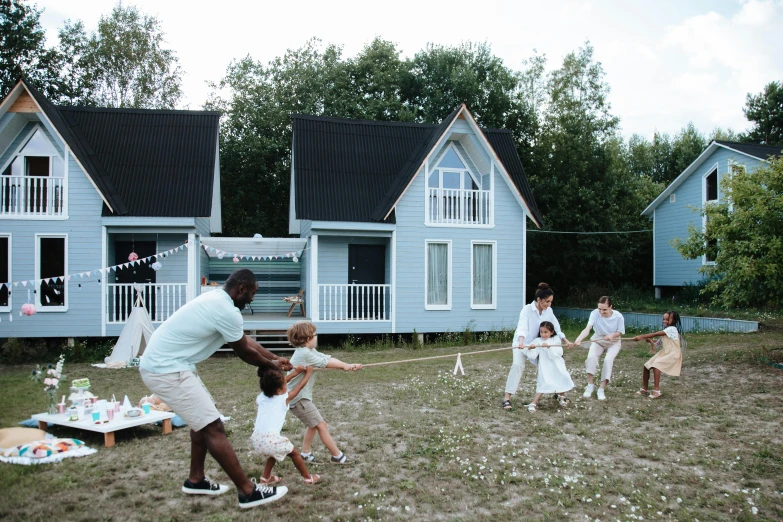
(190, 335)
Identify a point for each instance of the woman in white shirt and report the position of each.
(609, 326)
(531, 316)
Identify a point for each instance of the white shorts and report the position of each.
(271, 445)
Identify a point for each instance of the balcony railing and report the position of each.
(460, 207)
(354, 303)
(160, 299)
(23, 196)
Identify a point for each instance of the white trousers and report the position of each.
(591, 364)
(515, 373)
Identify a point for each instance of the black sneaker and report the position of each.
(203, 487)
(262, 495)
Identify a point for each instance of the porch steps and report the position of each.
(272, 340)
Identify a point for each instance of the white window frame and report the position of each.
(448, 304)
(477, 180)
(36, 285)
(672, 198)
(706, 202)
(10, 273)
(494, 304)
(38, 127)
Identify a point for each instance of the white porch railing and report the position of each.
(354, 303)
(22, 196)
(460, 207)
(160, 299)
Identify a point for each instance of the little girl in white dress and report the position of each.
(553, 377)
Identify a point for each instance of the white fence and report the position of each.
(22, 196)
(354, 303)
(460, 207)
(160, 299)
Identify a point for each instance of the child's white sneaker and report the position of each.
(588, 391)
(601, 394)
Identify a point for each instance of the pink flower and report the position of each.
(48, 381)
(133, 256)
(55, 382)
(50, 371)
(28, 309)
(236, 260)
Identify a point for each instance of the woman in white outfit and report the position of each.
(609, 326)
(530, 318)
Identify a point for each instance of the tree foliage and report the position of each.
(122, 64)
(765, 111)
(22, 48)
(747, 227)
(580, 172)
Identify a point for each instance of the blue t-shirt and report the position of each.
(193, 333)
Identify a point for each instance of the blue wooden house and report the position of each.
(676, 208)
(409, 226)
(81, 189)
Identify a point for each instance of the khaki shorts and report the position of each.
(305, 411)
(186, 396)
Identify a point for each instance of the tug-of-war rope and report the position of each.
(459, 355)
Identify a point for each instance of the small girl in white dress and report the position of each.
(272, 406)
(553, 377)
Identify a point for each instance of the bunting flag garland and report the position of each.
(152, 261)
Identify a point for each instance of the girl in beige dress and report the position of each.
(669, 359)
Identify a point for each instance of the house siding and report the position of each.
(83, 318)
(16, 143)
(411, 237)
(673, 219)
(202, 229)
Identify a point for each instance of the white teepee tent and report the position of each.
(136, 334)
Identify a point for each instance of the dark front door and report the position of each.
(140, 273)
(366, 266)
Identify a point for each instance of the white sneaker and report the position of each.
(588, 391)
(601, 395)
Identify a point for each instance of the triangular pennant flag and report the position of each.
(24, 283)
(68, 278)
(125, 265)
(16, 283)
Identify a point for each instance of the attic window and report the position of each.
(672, 198)
(711, 186)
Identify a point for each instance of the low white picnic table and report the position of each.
(120, 422)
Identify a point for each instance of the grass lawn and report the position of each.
(425, 445)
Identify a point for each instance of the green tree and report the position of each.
(122, 64)
(585, 180)
(765, 110)
(22, 48)
(745, 234)
(256, 134)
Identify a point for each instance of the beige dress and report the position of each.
(669, 358)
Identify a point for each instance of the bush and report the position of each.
(17, 351)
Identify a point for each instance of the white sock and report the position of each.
(305, 454)
(339, 456)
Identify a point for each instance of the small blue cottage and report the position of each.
(96, 206)
(677, 207)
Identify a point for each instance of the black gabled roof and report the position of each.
(145, 162)
(356, 170)
(753, 149)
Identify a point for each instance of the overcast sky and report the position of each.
(668, 62)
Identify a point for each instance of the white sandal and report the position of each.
(531, 407)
